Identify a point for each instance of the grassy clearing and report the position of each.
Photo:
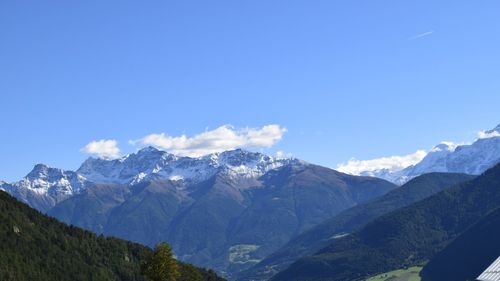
(409, 274)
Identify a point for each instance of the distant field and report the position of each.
(410, 274)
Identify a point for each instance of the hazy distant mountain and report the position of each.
(225, 210)
(471, 159)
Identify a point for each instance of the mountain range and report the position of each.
(249, 216)
(226, 211)
(44, 187)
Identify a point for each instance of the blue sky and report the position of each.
(347, 79)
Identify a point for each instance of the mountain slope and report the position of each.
(468, 255)
(405, 237)
(326, 232)
(93, 207)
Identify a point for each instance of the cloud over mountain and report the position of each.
(223, 138)
(391, 163)
(107, 149)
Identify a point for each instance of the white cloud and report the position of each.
(107, 149)
(392, 163)
(488, 134)
(418, 36)
(223, 138)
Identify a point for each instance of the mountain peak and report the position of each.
(43, 171)
(496, 129)
(40, 167)
(46, 186)
(238, 152)
(444, 146)
(149, 149)
(238, 157)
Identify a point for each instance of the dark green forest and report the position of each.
(34, 246)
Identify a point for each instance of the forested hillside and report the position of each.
(468, 255)
(36, 247)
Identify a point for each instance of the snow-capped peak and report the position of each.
(447, 157)
(151, 162)
(42, 171)
(149, 149)
(44, 179)
(246, 164)
(444, 146)
(49, 185)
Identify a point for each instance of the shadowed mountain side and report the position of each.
(468, 255)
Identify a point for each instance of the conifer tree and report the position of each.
(161, 265)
